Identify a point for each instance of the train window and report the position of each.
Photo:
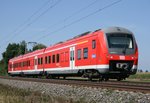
(71, 55)
(53, 58)
(29, 62)
(46, 60)
(85, 53)
(49, 59)
(93, 44)
(41, 60)
(79, 54)
(57, 56)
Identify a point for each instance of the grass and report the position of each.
(15, 95)
(140, 77)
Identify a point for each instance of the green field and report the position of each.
(140, 77)
(15, 95)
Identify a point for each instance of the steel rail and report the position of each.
(123, 86)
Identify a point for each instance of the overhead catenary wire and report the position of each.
(34, 20)
(27, 20)
(78, 20)
(68, 17)
(72, 15)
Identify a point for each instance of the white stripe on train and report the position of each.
(98, 67)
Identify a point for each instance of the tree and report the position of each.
(140, 70)
(13, 50)
(22, 48)
(16, 49)
(146, 71)
(38, 46)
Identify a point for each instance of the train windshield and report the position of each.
(120, 41)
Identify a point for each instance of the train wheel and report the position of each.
(22, 74)
(106, 79)
(48, 76)
(64, 77)
(119, 79)
(101, 78)
(90, 77)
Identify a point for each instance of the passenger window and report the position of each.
(29, 63)
(38, 61)
(85, 53)
(79, 54)
(53, 59)
(49, 59)
(46, 61)
(41, 60)
(57, 56)
(93, 44)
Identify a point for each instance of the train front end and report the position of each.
(122, 52)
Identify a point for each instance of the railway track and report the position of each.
(143, 87)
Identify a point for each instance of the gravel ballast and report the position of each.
(77, 93)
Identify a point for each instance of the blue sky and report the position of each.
(16, 23)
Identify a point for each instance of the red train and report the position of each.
(104, 53)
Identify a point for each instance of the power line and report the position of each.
(78, 20)
(29, 24)
(70, 16)
(28, 19)
(45, 11)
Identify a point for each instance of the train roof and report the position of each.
(116, 29)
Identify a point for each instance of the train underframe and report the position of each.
(93, 73)
(88, 73)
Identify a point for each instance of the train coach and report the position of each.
(109, 53)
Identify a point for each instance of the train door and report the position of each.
(35, 63)
(72, 57)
